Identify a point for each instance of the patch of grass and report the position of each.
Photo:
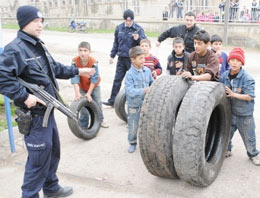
(64, 29)
(152, 34)
(1, 100)
(3, 122)
(57, 29)
(101, 31)
(10, 26)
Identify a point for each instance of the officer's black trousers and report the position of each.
(123, 65)
(43, 146)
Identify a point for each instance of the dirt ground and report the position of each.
(102, 167)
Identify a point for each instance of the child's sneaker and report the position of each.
(256, 160)
(104, 125)
(228, 154)
(131, 148)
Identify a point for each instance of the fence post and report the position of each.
(226, 19)
(7, 105)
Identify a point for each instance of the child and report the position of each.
(240, 87)
(150, 61)
(165, 14)
(202, 65)
(84, 86)
(137, 82)
(216, 47)
(177, 60)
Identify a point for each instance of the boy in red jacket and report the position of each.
(150, 61)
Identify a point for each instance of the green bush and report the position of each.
(3, 122)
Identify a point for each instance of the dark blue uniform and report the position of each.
(42, 143)
(123, 41)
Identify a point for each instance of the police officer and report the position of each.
(185, 31)
(127, 35)
(26, 57)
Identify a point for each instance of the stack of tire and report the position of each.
(184, 129)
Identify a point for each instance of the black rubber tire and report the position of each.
(119, 105)
(95, 121)
(84, 29)
(202, 133)
(156, 125)
(70, 29)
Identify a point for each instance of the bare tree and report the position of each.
(13, 5)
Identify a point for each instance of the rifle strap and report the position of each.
(39, 64)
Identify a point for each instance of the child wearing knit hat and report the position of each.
(240, 88)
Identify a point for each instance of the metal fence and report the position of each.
(203, 13)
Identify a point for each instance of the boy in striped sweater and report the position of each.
(150, 61)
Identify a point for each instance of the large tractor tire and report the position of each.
(157, 123)
(202, 133)
(94, 119)
(120, 105)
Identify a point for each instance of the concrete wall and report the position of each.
(238, 33)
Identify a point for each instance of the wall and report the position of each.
(240, 34)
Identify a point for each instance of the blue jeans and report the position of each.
(171, 15)
(179, 13)
(84, 114)
(246, 127)
(133, 123)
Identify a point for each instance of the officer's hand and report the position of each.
(88, 72)
(111, 60)
(32, 100)
(135, 36)
(158, 44)
(186, 75)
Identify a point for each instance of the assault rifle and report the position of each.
(50, 101)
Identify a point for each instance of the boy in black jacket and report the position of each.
(177, 60)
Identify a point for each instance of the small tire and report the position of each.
(95, 122)
(84, 29)
(70, 29)
(202, 133)
(156, 125)
(119, 105)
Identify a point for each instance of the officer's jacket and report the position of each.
(183, 32)
(19, 60)
(123, 40)
(135, 82)
(242, 84)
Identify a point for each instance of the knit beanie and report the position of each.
(237, 53)
(128, 15)
(26, 14)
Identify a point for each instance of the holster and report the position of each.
(24, 121)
